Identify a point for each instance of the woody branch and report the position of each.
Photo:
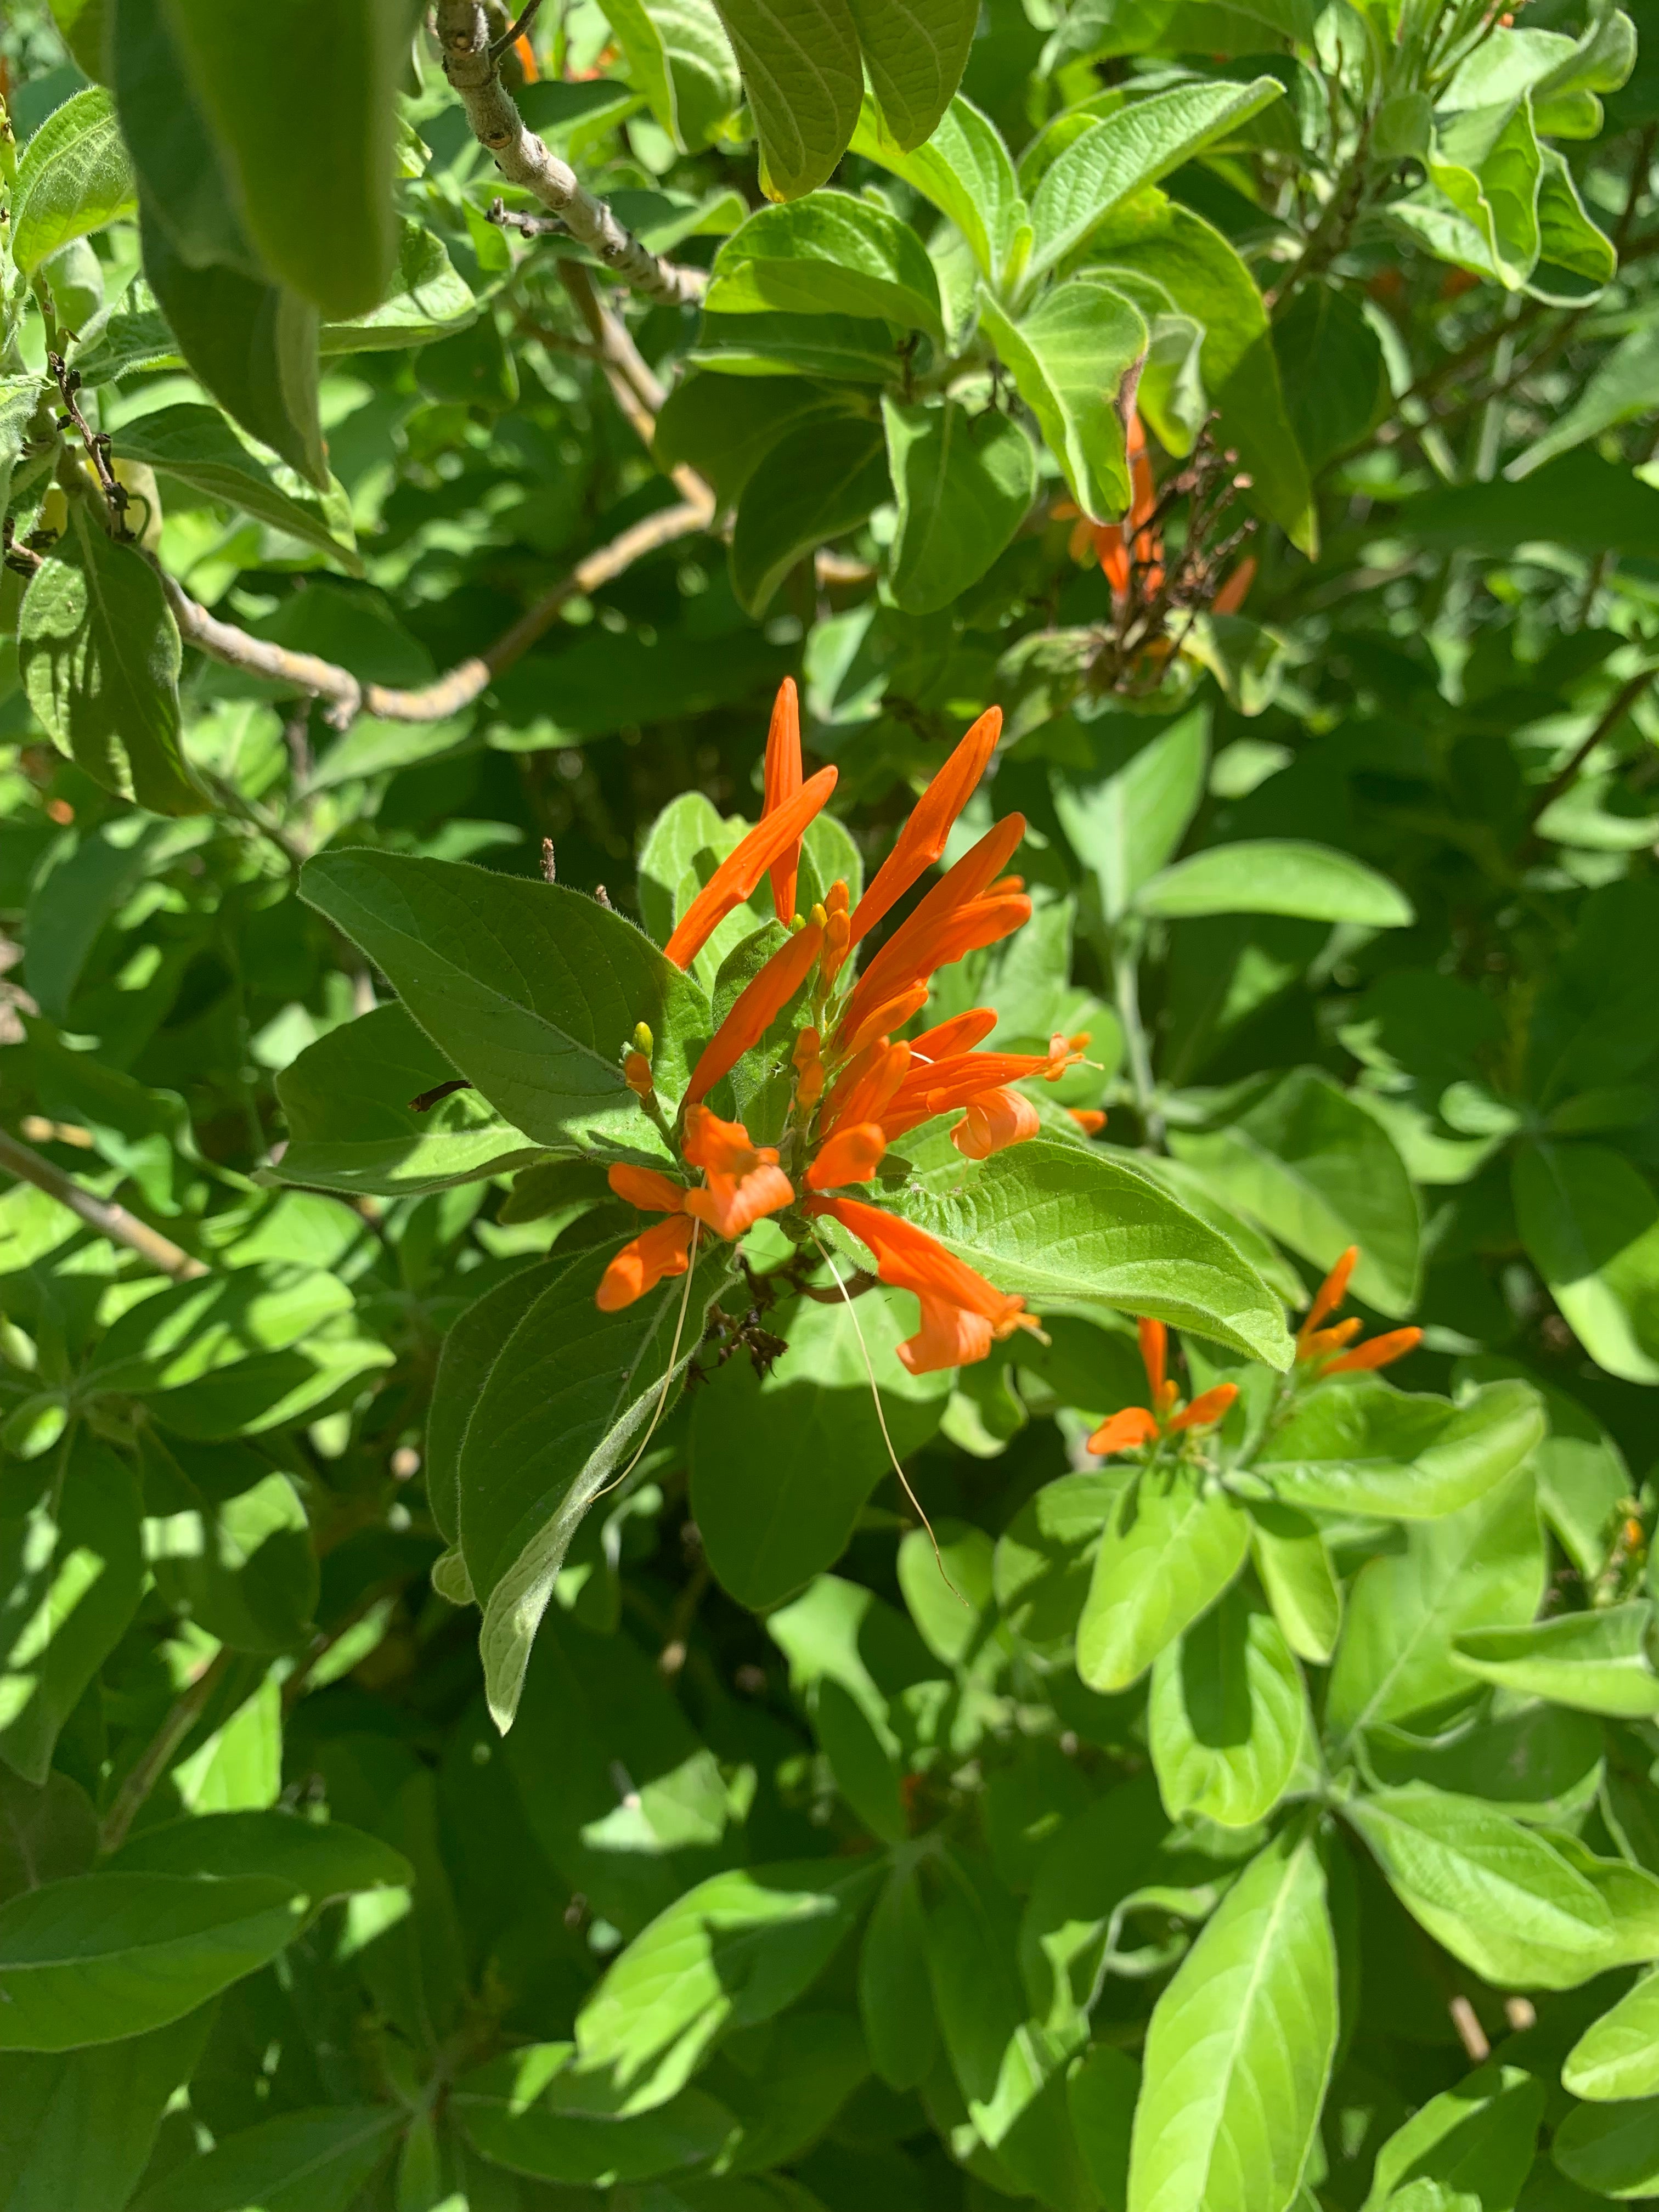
(472, 66)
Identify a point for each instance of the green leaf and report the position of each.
(99, 654)
(21, 399)
(1130, 149)
(187, 1330)
(1045, 1557)
(731, 1953)
(170, 142)
(502, 2107)
(1499, 1896)
(1610, 2149)
(72, 1569)
(962, 169)
(781, 1468)
(1486, 161)
(964, 484)
(1240, 2047)
(818, 483)
(303, 2162)
(802, 71)
(1597, 1662)
(1478, 2137)
(76, 2128)
(197, 445)
(531, 990)
(226, 1540)
(829, 255)
(1617, 2058)
(324, 225)
(1577, 500)
(895, 2001)
(425, 300)
(468, 1353)
(569, 1392)
(1294, 1569)
(253, 346)
(843, 347)
(1058, 1224)
(724, 426)
(351, 1127)
(1276, 876)
(1590, 1224)
(1186, 266)
(1332, 372)
(1479, 1568)
(1310, 1164)
(73, 177)
(1125, 823)
(916, 51)
(866, 1772)
(106, 1955)
(1068, 357)
(1226, 1717)
(1362, 1447)
(679, 56)
(320, 1860)
(1168, 1554)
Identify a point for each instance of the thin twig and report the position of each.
(99, 1214)
(344, 697)
(472, 65)
(1620, 704)
(158, 1754)
(511, 37)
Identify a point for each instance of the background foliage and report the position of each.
(1275, 1828)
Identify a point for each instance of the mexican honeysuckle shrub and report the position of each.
(748, 1071)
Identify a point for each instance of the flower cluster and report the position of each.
(1325, 1350)
(1135, 1426)
(856, 1084)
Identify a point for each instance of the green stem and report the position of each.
(1126, 985)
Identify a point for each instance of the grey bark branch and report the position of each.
(522, 158)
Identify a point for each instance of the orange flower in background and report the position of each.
(961, 1313)
(1091, 1120)
(1315, 1343)
(1135, 1426)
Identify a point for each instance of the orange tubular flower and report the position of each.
(665, 1248)
(995, 1120)
(1231, 596)
(783, 779)
(758, 1005)
(653, 1192)
(955, 918)
(1135, 1426)
(852, 1155)
(1091, 1120)
(961, 1034)
(744, 1179)
(1315, 1344)
(1380, 1351)
(1135, 540)
(738, 873)
(961, 1313)
(922, 840)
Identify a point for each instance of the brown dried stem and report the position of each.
(99, 1214)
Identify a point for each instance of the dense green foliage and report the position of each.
(465, 1750)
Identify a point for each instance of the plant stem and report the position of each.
(157, 1755)
(99, 1214)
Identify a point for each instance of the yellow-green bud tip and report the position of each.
(643, 1040)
